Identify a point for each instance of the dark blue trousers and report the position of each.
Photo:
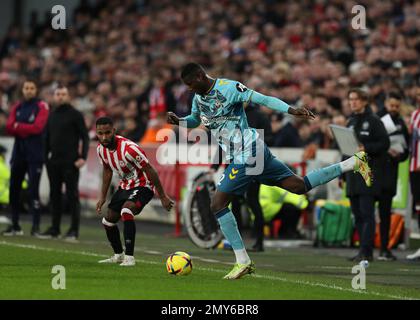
(17, 174)
(363, 207)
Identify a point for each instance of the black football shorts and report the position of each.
(141, 196)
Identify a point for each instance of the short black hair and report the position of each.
(61, 86)
(191, 69)
(30, 79)
(104, 121)
(394, 95)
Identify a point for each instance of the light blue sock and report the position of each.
(230, 229)
(322, 176)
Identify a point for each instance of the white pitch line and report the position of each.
(299, 282)
(153, 252)
(408, 270)
(330, 267)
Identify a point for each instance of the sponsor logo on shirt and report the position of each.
(240, 87)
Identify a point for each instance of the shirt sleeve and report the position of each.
(240, 93)
(193, 120)
(413, 115)
(10, 129)
(270, 102)
(84, 136)
(27, 129)
(136, 156)
(237, 92)
(194, 109)
(101, 159)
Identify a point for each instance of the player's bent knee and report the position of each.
(112, 217)
(106, 223)
(127, 214)
(216, 206)
(295, 185)
(213, 207)
(300, 189)
(219, 202)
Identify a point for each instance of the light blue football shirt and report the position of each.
(222, 112)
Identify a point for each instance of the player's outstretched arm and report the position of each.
(192, 121)
(167, 202)
(106, 181)
(281, 106)
(172, 118)
(302, 113)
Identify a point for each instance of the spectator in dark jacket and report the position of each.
(288, 135)
(26, 123)
(374, 140)
(65, 130)
(397, 153)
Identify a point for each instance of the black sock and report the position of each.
(129, 236)
(113, 235)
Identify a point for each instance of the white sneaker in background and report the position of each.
(414, 256)
(129, 261)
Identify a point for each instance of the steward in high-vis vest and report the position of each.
(4, 178)
(278, 202)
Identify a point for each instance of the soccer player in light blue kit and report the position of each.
(219, 105)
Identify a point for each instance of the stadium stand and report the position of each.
(122, 58)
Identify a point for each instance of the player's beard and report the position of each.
(110, 144)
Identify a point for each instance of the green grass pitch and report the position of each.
(305, 273)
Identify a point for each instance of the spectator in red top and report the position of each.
(160, 99)
(26, 122)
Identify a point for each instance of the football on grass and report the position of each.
(179, 264)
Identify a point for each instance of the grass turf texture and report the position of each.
(305, 273)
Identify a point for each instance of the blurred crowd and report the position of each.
(122, 58)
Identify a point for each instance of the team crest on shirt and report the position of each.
(122, 163)
(138, 158)
(220, 99)
(31, 118)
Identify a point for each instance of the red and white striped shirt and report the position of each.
(415, 147)
(126, 160)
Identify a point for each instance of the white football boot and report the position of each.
(116, 258)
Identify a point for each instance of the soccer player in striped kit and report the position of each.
(138, 182)
(415, 164)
